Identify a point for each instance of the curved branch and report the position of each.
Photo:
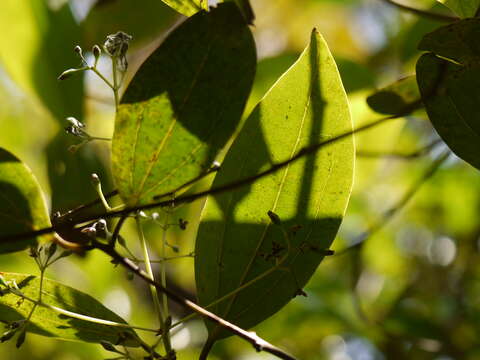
(423, 13)
(308, 150)
(257, 342)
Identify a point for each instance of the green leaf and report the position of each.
(246, 9)
(48, 322)
(449, 89)
(187, 7)
(22, 206)
(463, 8)
(451, 97)
(183, 104)
(268, 71)
(457, 41)
(237, 241)
(396, 98)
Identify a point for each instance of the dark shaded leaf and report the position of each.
(457, 41)
(451, 97)
(396, 98)
(22, 206)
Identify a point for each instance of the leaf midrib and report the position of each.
(282, 183)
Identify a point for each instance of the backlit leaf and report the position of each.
(48, 322)
(237, 241)
(183, 104)
(187, 7)
(22, 206)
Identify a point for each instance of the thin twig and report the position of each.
(308, 150)
(401, 155)
(423, 13)
(386, 217)
(257, 342)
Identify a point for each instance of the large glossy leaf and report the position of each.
(396, 98)
(22, 206)
(449, 89)
(463, 8)
(183, 104)
(457, 41)
(236, 241)
(451, 97)
(48, 322)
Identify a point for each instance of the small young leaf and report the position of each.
(463, 8)
(22, 206)
(237, 241)
(50, 323)
(396, 98)
(183, 104)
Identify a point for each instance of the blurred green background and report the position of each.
(412, 291)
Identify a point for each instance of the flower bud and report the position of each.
(95, 179)
(75, 122)
(96, 51)
(274, 217)
(67, 73)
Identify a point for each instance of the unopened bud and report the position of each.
(51, 249)
(215, 166)
(274, 217)
(108, 346)
(21, 338)
(95, 179)
(96, 51)
(73, 148)
(67, 73)
(90, 231)
(182, 223)
(75, 122)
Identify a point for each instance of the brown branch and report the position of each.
(257, 342)
(423, 13)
